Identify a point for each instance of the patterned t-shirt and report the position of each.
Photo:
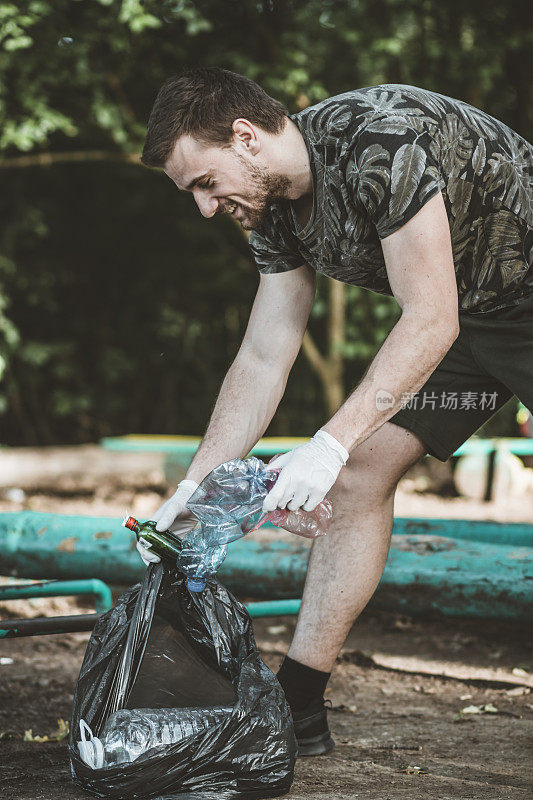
(377, 156)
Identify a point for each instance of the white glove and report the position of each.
(147, 556)
(173, 515)
(308, 473)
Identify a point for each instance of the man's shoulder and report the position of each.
(334, 113)
(345, 115)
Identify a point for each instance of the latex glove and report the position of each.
(173, 515)
(147, 556)
(308, 473)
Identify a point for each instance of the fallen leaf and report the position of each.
(488, 708)
(56, 736)
(413, 770)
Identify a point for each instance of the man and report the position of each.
(404, 192)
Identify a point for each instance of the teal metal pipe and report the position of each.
(274, 608)
(87, 586)
(510, 533)
(424, 572)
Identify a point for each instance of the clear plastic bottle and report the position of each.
(201, 555)
(228, 504)
(129, 733)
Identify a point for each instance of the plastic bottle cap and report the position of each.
(196, 584)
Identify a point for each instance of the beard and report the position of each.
(266, 189)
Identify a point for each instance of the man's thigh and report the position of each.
(503, 345)
(455, 401)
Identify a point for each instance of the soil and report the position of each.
(397, 691)
(399, 731)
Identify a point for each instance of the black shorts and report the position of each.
(490, 361)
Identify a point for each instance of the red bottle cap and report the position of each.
(129, 522)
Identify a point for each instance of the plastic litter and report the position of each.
(228, 505)
(174, 701)
(128, 734)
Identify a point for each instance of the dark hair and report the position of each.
(204, 103)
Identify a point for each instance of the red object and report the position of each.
(130, 522)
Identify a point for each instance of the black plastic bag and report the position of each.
(162, 646)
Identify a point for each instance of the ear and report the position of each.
(246, 136)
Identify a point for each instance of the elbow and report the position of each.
(448, 331)
(451, 330)
(439, 329)
(445, 332)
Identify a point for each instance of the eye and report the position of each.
(206, 184)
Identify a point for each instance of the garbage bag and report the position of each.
(162, 649)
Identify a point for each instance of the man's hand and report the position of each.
(308, 473)
(173, 515)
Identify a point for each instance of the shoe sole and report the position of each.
(316, 745)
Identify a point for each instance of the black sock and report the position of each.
(302, 685)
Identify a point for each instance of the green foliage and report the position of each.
(120, 308)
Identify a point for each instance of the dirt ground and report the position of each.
(399, 690)
(399, 731)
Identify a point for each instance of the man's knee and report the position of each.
(376, 466)
(362, 478)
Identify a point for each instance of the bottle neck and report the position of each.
(132, 524)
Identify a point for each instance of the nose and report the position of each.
(207, 204)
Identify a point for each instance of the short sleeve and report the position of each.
(393, 170)
(274, 247)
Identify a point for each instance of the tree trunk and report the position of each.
(330, 368)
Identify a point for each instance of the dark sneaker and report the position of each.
(311, 729)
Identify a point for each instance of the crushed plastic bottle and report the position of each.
(201, 555)
(129, 733)
(229, 504)
(309, 524)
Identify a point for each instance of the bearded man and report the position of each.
(404, 192)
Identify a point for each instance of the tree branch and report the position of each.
(76, 156)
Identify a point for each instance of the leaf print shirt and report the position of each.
(377, 155)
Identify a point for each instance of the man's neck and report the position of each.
(289, 152)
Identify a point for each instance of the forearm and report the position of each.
(409, 355)
(247, 401)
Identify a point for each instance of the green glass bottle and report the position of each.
(163, 544)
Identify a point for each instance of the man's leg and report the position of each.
(344, 570)
(346, 565)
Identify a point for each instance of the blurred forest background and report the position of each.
(120, 306)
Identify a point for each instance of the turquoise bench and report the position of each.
(179, 450)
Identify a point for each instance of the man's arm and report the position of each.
(420, 268)
(255, 382)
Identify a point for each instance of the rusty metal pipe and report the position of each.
(424, 573)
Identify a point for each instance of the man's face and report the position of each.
(226, 179)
